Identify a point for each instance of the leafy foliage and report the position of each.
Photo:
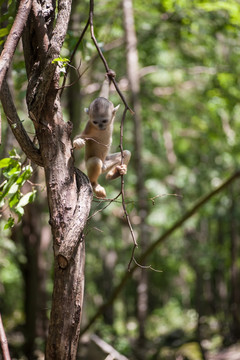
(15, 175)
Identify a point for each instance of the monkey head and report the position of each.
(101, 113)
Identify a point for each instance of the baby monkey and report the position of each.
(97, 139)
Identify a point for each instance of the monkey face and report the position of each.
(101, 113)
(100, 123)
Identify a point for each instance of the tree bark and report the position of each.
(69, 191)
(63, 196)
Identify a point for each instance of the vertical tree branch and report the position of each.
(13, 37)
(108, 70)
(143, 233)
(4, 342)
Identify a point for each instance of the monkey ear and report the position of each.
(116, 109)
(86, 110)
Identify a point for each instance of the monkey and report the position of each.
(97, 139)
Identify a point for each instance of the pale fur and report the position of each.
(97, 139)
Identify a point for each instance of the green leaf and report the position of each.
(5, 162)
(14, 199)
(9, 223)
(13, 189)
(19, 211)
(13, 154)
(4, 32)
(26, 174)
(7, 187)
(27, 198)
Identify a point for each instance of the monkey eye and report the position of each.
(104, 121)
(95, 122)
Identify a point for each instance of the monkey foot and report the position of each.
(99, 191)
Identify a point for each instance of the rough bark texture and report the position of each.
(68, 190)
(63, 198)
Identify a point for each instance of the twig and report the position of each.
(109, 203)
(108, 70)
(146, 266)
(87, 138)
(73, 54)
(4, 342)
(200, 203)
(135, 245)
(162, 195)
(111, 76)
(75, 81)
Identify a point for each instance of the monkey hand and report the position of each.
(78, 143)
(122, 169)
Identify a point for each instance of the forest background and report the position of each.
(183, 139)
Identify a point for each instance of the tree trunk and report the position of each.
(34, 271)
(69, 191)
(234, 270)
(62, 191)
(134, 85)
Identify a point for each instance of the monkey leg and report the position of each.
(112, 165)
(94, 169)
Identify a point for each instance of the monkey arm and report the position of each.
(78, 142)
(106, 84)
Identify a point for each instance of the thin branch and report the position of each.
(199, 204)
(79, 75)
(108, 70)
(162, 195)
(13, 37)
(16, 126)
(4, 342)
(147, 267)
(73, 54)
(135, 245)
